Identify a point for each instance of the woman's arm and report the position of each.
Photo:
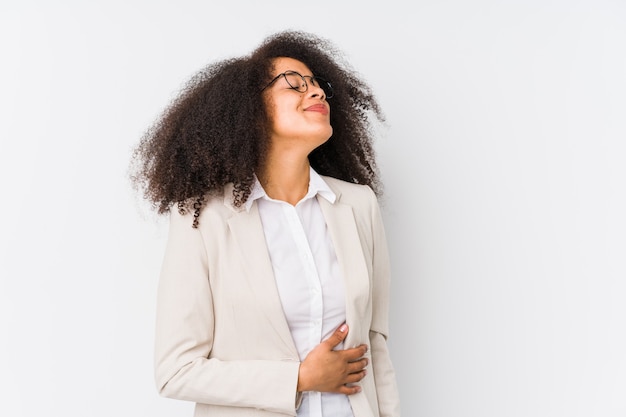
(184, 337)
(384, 375)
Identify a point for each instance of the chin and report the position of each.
(327, 134)
(325, 138)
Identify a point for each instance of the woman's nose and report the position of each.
(316, 91)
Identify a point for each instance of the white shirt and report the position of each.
(308, 278)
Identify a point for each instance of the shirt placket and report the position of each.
(316, 305)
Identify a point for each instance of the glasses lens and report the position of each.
(295, 81)
(298, 83)
(324, 85)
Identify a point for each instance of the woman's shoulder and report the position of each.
(213, 205)
(349, 190)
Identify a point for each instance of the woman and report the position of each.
(273, 295)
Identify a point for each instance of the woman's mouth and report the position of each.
(320, 108)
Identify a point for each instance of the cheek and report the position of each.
(281, 117)
(283, 124)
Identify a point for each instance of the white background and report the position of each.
(504, 161)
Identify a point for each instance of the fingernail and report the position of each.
(343, 328)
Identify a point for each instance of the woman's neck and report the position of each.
(285, 179)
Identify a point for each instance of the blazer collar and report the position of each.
(349, 250)
(248, 232)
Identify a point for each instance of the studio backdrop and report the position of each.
(503, 160)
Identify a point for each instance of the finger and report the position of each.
(338, 336)
(344, 389)
(355, 367)
(356, 377)
(355, 353)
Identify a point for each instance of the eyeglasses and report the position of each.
(299, 83)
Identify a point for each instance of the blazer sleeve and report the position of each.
(185, 323)
(384, 375)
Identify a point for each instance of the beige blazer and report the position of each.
(222, 339)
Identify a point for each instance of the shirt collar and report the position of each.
(317, 185)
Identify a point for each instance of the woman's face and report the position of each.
(298, 120)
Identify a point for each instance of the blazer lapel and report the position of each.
(344, 234)
(247, 231)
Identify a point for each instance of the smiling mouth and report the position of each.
(320, 108)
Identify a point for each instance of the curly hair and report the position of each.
(216, 131)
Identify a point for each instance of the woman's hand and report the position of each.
(328, 370)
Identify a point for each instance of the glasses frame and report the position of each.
(327, 94)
